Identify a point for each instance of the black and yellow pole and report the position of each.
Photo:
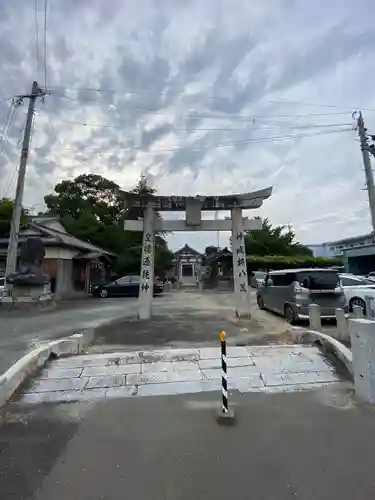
(224, 376)
(225, 416)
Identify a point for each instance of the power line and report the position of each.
(10, 183)
(322, 105)
(6, 121)
(100, 125)
(323, 218)
(12, 117)
(9, 121)
(140, 92)
(194, 116)
(127, 91)
(45, 44)
(36, 36)
(223, 144)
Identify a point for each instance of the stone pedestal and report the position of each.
(29, 298)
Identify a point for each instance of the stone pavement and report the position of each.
(180, 371)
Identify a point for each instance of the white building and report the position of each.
(336, 248)
(187, 264)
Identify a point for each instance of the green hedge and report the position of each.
(269, 262)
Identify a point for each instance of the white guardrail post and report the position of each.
(314, 317)
(342, 325)
(362, 337)
(370, 307)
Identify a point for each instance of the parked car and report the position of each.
(290, 292)
(127, 286)
(257, 278)
(356, 289)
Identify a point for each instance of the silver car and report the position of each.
(257, 278)
(290, 292)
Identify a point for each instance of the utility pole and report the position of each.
(17, 209)
(368, 170)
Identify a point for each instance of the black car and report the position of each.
(127, 286)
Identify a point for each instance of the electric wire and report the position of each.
(36, 36)
(199, 148)
(193, 129)
(45, 44)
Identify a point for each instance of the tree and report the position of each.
(6, 211)
(94, 209)
(211, 250)
(88, 193)
(274, 241)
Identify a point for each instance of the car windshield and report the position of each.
(2, 281)
(260, 275)
(355, 281)
(318, 280)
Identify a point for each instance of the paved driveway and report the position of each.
(19, 334)
(313, 445)
(209, 311)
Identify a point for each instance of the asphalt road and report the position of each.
(20, 333)
(314, 445)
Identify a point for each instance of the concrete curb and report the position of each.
(328, 343)
(35, 359)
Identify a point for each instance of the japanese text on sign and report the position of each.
(241, 262)
(146, 262)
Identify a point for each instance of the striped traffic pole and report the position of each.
(224, 376)
(224, 415)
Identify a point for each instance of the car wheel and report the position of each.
(103, 293)
(357, 301)
(260, 302)
(290, 315)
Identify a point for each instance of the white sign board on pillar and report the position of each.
(146, 284)
(241, 293)
(193, 213)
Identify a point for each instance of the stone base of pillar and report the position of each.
(243, 313)
(144, 313)
(242, 307)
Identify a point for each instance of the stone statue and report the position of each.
(30, 272)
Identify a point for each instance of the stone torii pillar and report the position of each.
(146, 284)
(240, 279)
(193, 206)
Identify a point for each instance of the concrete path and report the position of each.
(312, 445)
(180, 371)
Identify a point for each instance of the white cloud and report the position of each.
(168, 63)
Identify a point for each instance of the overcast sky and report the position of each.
(206, 96)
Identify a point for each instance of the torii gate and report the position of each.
(193, 207)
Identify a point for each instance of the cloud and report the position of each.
(202, 97)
